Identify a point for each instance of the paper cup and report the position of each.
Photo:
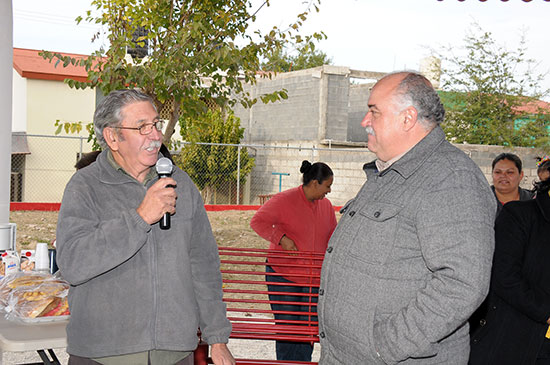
(42, 257)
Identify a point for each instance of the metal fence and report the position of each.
(225, 174)
(41, 175)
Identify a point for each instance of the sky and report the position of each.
(369, 35)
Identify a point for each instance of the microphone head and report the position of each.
(164, 166)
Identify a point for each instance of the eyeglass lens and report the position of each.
(148, 128)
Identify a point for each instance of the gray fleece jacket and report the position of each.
(135, 287)
(409, 261)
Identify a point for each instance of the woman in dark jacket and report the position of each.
(519, 298)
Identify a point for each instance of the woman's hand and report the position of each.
(287, 244)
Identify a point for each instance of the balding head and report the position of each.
(417, 91)
(403, 109)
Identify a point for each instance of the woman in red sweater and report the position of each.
(298, 219)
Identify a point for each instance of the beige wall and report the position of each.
(50, 165)
(48, 101)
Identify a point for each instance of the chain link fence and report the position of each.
(225, 174)
(41, 174)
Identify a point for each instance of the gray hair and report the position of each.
(109, 111)
(417, 91)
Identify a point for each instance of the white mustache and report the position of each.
(153, 144)
(369, 130)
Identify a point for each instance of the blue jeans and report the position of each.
(287, 350)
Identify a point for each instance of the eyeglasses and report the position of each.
(146, 128)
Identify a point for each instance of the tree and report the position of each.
(76, 127)
(197, 52)
(214, 166)
(491, 94)
(307, 56)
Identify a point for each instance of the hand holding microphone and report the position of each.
(160, 202)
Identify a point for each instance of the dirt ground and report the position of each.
(231, 228)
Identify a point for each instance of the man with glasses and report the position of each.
(138, 293)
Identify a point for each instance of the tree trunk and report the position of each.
(171, 127)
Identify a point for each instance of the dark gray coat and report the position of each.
(519, 301)
(409, 261)
(135, 287)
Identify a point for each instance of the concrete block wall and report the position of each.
(317, 107)
(337, 107)
(484, 155)
(358, 101)
(347, 166)
(269, 160)
(322, 105)
(293, 119)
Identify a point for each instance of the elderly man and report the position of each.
(138, 293)
(411, 256)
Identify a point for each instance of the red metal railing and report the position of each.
(247, 296)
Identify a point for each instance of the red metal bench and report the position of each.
(264, 197)
(248, 305)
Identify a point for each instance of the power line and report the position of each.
(46, 18)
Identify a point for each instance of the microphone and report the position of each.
(164, 169)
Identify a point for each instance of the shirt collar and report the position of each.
(150, 175)
(411, 160)
(382, 165)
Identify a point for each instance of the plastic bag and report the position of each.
(34, 296)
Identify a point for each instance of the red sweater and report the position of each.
(308, 224)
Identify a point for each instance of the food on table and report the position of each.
(27, 295)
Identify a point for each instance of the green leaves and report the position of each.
(299, 58)
(67, 127)
(213, 165)
(75, 128)
(491, 94)
(198, 52)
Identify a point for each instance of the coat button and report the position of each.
(376, 214)
(321, 291)
(352, 213)
(329, 249)
(482, 322)
(322, 335)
